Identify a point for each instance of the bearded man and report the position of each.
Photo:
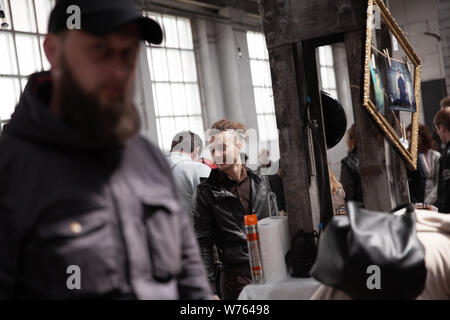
(88, 207)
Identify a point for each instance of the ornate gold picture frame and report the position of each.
(392, 81)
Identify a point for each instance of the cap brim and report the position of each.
(150, 29)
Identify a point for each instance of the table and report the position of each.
(290, 289)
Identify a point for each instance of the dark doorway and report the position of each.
(432, 93)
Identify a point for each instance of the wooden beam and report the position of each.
(322, 194)
(292, 138)
(383, 174)
(290, 21)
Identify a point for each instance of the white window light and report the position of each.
(175, 87)
(23, 27)
(327, 74)
(262, 88)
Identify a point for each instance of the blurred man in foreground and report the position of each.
(88, 208)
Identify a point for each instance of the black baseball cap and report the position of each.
(100, 17)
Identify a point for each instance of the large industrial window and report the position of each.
(327, 75)
(175, 85)
(262, 88)
(22, 33)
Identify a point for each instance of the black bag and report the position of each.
(301, 256)
(351, 244)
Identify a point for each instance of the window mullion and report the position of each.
(14, 44)
(37, 35)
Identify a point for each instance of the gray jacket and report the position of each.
(112, 212)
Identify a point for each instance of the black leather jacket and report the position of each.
(443, 202)
(351, 177)
(219, 219)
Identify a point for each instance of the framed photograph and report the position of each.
(392, 81)
(378, 88)
(400, 88)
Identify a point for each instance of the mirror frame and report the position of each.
(389, 132)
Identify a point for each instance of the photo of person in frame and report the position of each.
(378, 88)
(400, 87)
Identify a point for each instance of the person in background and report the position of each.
(276, 185)
(441, 122)
(220, 204)
(438, 145)
(430, 161)
(337, 193)
(187, 170)
(264, 162)
(350, 174)
(417, 180)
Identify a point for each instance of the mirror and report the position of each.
(392, 81)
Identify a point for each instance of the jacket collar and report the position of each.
(354, 152)
(217, 177)
(219, 192)
(177, 157)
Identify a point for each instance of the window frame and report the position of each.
(323, 65)
(265, 87)
(198, 82)
(36, 36)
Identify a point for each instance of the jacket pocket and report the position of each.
(84, 238)
(75, 225)
(164, 239)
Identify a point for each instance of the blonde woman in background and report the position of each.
(337, 192)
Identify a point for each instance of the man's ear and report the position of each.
(53, 50)
(240, 145)
(196, 153)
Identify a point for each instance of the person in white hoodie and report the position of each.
(185, 163)
(433, 231)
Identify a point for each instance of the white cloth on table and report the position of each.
(291, 289)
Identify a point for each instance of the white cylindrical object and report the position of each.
(274, 242)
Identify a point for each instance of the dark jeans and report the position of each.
(233, 279)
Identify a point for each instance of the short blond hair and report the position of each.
(224, 125)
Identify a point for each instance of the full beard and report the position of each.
(98, 123)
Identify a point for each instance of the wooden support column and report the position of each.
(383, 174)
(301, 135)
(292, 137)
(320, 191)
(293, 30)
